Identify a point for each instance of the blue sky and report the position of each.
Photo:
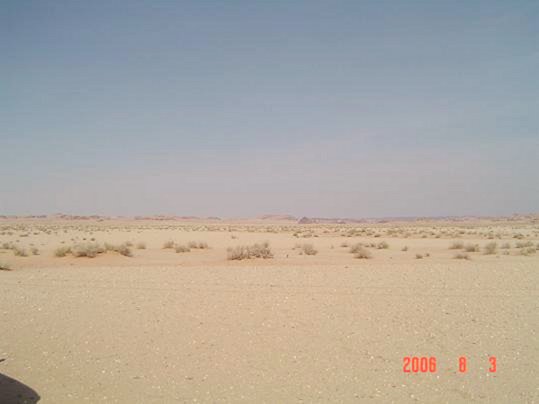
(239, 108)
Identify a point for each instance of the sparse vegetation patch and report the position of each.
(248, 252)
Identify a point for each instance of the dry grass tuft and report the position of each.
(168, 244)
(19, 252)
(90, 250)
(362, 253)
(523, 244)
(62, 251)
(355, 248)
(201, 245)
(527, 251)
(122, 249)
(471, 248)
(247, 252)
(307, 249)
(182, 249)
(490, 248)
(4, 267)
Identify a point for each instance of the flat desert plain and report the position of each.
(328, 315)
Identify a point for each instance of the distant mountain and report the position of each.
(277, 217)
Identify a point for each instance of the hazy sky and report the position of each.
(238, 108)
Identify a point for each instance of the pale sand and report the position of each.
(164, 327)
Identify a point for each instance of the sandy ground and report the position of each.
(163, 327)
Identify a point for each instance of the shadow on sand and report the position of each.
(14, 392)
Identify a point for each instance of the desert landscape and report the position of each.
(268, 309)
(269, 202)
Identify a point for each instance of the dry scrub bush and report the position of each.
(141, 245)
(182, 249)
(197, 245)
(62, 251)
(355, 248)
(505, 246)
(248, 252)
(462, 256)
(90, 250)
(405, 248)
(490, 248)
(308, 249)
(523, 244)
(419, 256)
(471, 248)
(20, 252)
(362, 253)
(4, 267)
(382, 245)
(122, 249)
(457, 245)
(527, 251)
(168, 244)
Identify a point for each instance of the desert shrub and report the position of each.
(405, 248)
(308, 249)
(527, 251)
(122, 249)
(4, 267)
(418, 256)
(354, 248)
(461, 256)
(523, 244)
(7, 246)
(490, 248)
(457, 245)
(34, 251)
(344, 244)
(168, 244)
(197, 245)
(382, 245)
(182, 249)
(62, 251)
(505, 246)
(141, 245)
(20, 252)
(90, 250)
(362, 253)
(247, 252)
(471, 248)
